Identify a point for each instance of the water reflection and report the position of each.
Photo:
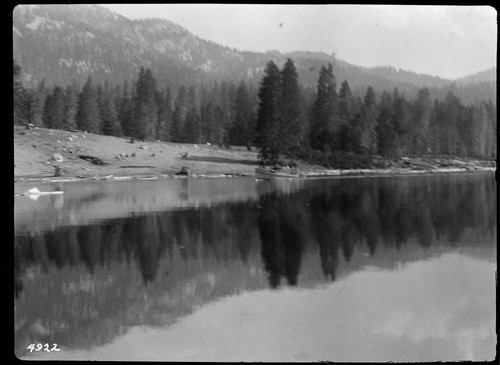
(82, 286)
(408, 317)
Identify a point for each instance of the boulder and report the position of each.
(184, 171)
(57, 157)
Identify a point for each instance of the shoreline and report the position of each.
(327, 174)
(52, 155)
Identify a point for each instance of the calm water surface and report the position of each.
(379, 269)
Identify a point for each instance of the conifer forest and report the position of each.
(329, 125)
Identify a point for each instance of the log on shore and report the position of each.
(95, 160)
(137, 166)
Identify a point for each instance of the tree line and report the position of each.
(284, 120)
(338, 126)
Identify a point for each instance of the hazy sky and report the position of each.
(448, 41)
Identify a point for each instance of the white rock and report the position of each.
(32, 191)
(57, 157)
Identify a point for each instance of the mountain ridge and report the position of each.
(66, 43)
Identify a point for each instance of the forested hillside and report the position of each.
(62, 45)
(328, 124)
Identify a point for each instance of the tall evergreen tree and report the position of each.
(87, 113)
(437, 128)
(227, 92)
(465, 131)
(207, 116)
(452, 105)
(21, 98)
(401, 114)
(218, 127)
(369, 122)
(35, 108)
(491, 140)
(164, 102)
(346, 103)
(242, 128)
(70, 106)
(347, 113)
(145, 108)
(125, 111)
(479, 131)
(53, 113)
(179, 115)
(268, 113)
(109, 117)
(386, 132)
(191, 131)
(325, 123)
(192, 127)
(419, 127)
(289, 116)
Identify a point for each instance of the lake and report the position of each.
(353, 269)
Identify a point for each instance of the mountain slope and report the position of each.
(66, 43)
(489, 75)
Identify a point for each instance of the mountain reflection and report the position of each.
(83, 285)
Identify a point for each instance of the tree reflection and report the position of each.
(325, 225)
(339, 216)
(280, 229)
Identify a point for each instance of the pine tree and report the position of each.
(347, 114)
(386, 132)
(192, 127)
(109, 117)
(325, 123)
(70, 106)
(369, 123)
(289, 116)
(207, 115)
(53, 113)
(465, 131)
(125, 111)
(491, 141)
(145, 108)
(419, 128)
(268, 113)
(87, 114)
(37, 103)
(437, 128)
(226, 97)
(452, 105)
(191, 132)
(346, 103)
(241, 133)
(479, 131)
(179, 115)
(164, 102)
(21, 98)
(401, 114)
(218, 127)
(35, 108)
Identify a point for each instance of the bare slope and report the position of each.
(34, 150)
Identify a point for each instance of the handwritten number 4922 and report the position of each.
(39, 347)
